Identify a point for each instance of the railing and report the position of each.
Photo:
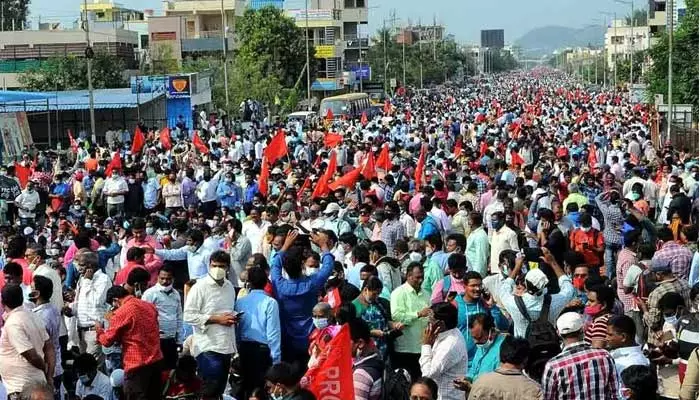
(210, 34)
(356, 42)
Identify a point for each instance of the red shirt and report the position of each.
(177, 389)
(135, 326)
(123, 273)
(27, 274)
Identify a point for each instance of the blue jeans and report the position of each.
(213, 370)
(610, 258)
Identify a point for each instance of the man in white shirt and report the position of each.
(209, 308)
(114, 189)
(443, 356)
(255, 228)
(90, 380)
(502, 238)
(196, 254)
(621, 343)
(206, 193)
(26, 204)
(35, 256)
(90, 301)
(495, 206)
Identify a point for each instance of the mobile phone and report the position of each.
(452, 295)
(238, 314)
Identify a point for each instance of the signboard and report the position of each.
(314, 14)
(638, 93)
(363, 72)
(325, 51)
(325, 84)
(392, 82)
(179, 87)
(147, 84)
(15, 135)
(158, 36)
(493, 38)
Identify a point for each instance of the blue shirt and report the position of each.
(428, 227)
(104, 255)
(169, 311)
(150, 193)
(486, 358)
(197, 261)
(467, 310)
(250, 192)
(297, 297)
(229, 193)
(260, 322)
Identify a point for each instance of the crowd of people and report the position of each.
(518, 236)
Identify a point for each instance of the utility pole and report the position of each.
(615, 48)
(434, 34)
(386, 63)
(223, 47)
(403, 58)
(632, 23)
(308, 64)
(669, 117)
(420, 51)
(89, 54)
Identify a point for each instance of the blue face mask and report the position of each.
(320, 323)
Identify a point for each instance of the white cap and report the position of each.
(331, 208)
(117, 378)
(276, 171)
(537, 278)
(28, 231)
(569, 322)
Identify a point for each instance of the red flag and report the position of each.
(333, 299)
(581, 118)
(73, 143)
(331, 140)
(348, 180)
(165, 138)
(332, 378)
(363, 119)
(264, 175)
(592, 157)
(318, 161)
(199, 144)
(458, 148)
(322, 188)
(22, 173)
(329, 115)
(304, 186)
(515, 158)
(387, 107)
(369, 170)
(384, 161)
(480, 118)
(483, 148)
(418, 175)
(408, 115)
(115, 163)
(138, 142)
(277, 147)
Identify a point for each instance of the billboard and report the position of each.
(179, 87)
(493, 38)
(147, 84)
(15, 135)
(363, 72)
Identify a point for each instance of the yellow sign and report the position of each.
(325, 51)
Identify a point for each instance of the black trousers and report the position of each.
(409, 362)
(169, 349)
(208, 208)
(255, 360)
(144, 383)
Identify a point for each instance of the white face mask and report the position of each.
(150, 230)
(415, 256)
(310, 271)
(217, 273)
(585, 229)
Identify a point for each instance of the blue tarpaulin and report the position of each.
(14, 101)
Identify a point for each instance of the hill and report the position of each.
(544, 40)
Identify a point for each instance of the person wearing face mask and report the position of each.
(114, 189)
(42, 291)
(134, 324)
(488, 342)
(368, 367)
(90, 380)
(194, 252)
(588, 241)
(229, 192)
(172, 193)
(36, 257)
(599, 309)
(167, 302)
(210, 309)
(324, 329)
(375, 311)
(26, 204)
(282, 383)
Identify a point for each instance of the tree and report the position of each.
(623, 68)
(163, 61)
(273, 42)
(14, 14)
(684, 60)
(70, 73)
(640, 18)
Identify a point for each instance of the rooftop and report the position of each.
(13, 101)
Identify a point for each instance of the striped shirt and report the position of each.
(90, 299)
(580, 372)
(597, 329)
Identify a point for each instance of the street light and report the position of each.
(631, 4)
(614, 15)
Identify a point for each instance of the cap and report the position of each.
(659, 264)
(28, 231)
(569, 322)
(537, 278)
(117, 378)
(276, 171)
(331, 208)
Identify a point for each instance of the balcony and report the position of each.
(356, 42)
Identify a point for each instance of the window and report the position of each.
(360, 4)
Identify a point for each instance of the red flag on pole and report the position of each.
(369, 170)
(165, 138)
(331, 140)
(115, 163)
(420, 166)
(304, 186)
(277, 147)
(199, 144)
(332, 377)
(333, 299)
(138, 142)
(384, 161)
(73, 143)
(348, 180)
(322, 188)
(264, 175)
(329, 115)
(516, 158)
(363, 119)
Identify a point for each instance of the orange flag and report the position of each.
(363, 119)
(199, 144)
(332, 378)
(322, 188)
(458, 148)
(165, 138)
(420, 166)
(264, 175)
(73, 143)
(138, 142)
(369, 170)
(384, 161)
(329, 115)
(277, 147)
(331, 140)
(348, 180)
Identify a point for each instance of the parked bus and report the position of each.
(350, 106)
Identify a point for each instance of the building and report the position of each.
(111, 12)
(420, 33)
(23, 50)
(338, 32)
(622, 40)
(258, 4)
(583, 55)
(658, 17)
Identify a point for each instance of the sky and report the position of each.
(463, 18)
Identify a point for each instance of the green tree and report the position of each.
(273, 42)
(640, 18)
(684, 60)
(623, 68)
(14, 13)
(163, 61)
(70, 73)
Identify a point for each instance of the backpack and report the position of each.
(397, 384)
(542, 336)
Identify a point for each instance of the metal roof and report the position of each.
(12, 101)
